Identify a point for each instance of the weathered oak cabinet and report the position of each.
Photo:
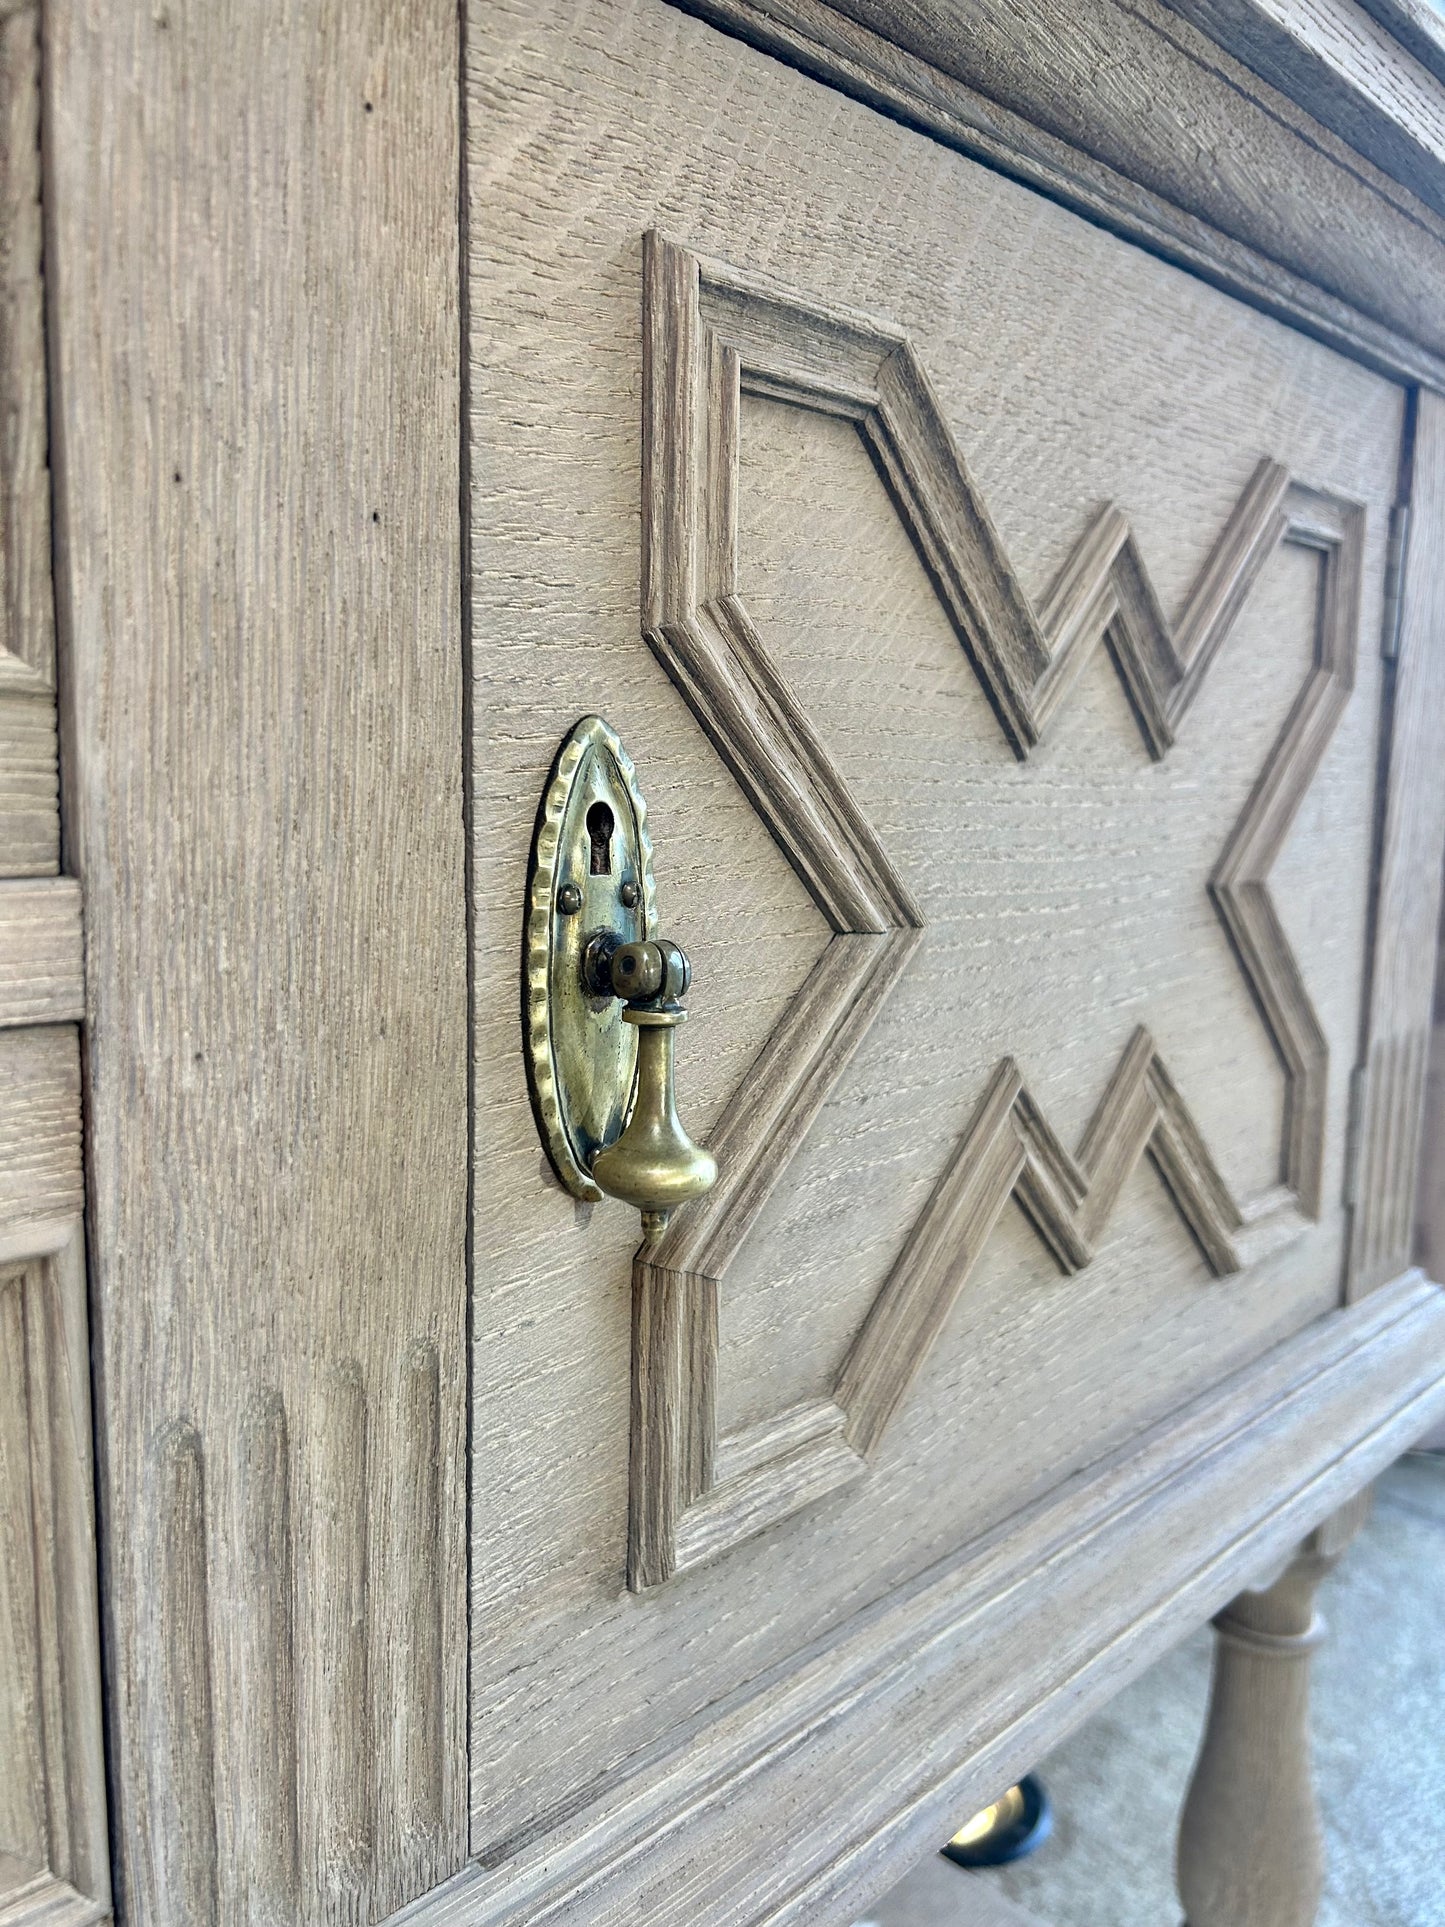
(987, 466)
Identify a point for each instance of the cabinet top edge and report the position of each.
(1328, 210)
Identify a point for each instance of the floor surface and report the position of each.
(1379, 1738)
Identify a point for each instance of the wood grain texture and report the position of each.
(252, 229)
(929, 1678)
(265, 1811)
(1345, 68)
(700, 316)
(1429, 1235)
(23, 1822)
(1396, 1037)
(40, 953)
(29, 784)
(54, 1853)
(1080, 102)
(40, 1177)
(178, 1877)
(54, 1857)
(27, 609)
(1417, 26)
(712, 333)
(1240, 884)
(1009, 1150)
(1251, 1846)
(1065, 897)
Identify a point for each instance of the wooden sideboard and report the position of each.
(986, 466)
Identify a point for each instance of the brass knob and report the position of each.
(653, 1164)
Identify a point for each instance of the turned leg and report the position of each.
(1250, 1848)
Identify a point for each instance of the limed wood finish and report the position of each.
(862, 1758)
(826, 498)
(1081, 99)
(1429, 1239)
(40, 955)
(52, 1795)
(713, 334)
(54, 1855)
(1251, 1850)
(29, 804)
(981, 914)
(1390, 1087)
(252, 238)
(1344, 62)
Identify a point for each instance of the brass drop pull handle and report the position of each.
(603, 991)
(654, 1164)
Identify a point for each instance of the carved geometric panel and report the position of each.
(712, 335)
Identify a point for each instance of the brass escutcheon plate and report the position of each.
(590, 879)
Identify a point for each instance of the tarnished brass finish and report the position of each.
(654, 1164)
(591, 842)
(1014, 1825)
(1006, 1811)
(602, 991)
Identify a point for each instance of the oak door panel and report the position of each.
(1055, 578)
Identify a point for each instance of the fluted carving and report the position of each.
(294, 1690)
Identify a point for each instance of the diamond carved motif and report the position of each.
(712, 334)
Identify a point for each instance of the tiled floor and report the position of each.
(1379, 1726)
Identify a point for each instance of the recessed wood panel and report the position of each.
(29, 780)
(1053, 443)
(53, 1846)
(714, 336)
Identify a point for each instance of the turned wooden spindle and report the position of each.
(1251, 1853)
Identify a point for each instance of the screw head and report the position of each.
(630, 894)
(569, 899)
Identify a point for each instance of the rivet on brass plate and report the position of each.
(603, 991)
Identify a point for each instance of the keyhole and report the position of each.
(599, 829)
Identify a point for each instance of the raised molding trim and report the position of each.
(48, 1596)
(1010, 1150)
(712, 334)
(1192, 1510)
(1405, 911)
(1417, 25)
(41, 1187)
(1033, 108)
(1239, 886)
(1348, 70)
(27, 604)
(29, 762)
(41, 966)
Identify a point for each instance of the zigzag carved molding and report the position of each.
(712, 334)
(1011, 1151)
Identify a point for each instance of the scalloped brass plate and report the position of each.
(590, 881)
